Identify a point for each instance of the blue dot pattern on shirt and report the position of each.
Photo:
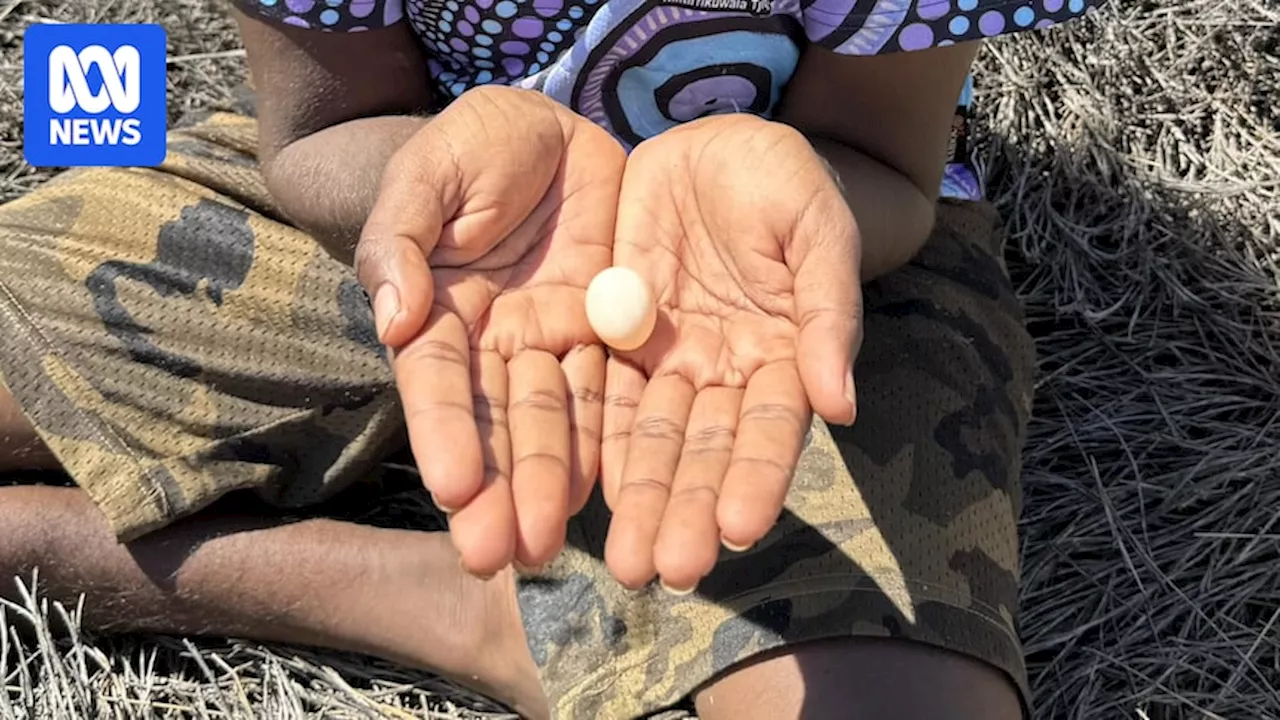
(639, 67)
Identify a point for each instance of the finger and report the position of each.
(689, 540)
(770, 436)
(584, 377)
(828, 309)
(656, 442)
(415, 199)
(395, 274)
(433, 373)
(540, 446)
(489, 400)
(624, 385)
(484, 531)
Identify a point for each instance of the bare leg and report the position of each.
(859, 679)
(396, 594)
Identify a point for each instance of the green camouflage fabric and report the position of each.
(174, 339)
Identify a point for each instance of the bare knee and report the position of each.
(23, 532)
(862, 678)
(20, 447)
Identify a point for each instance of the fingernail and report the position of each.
(734, 548)
(528, 570)
(474, 574)
(673, 591)
(386, 305)
(441, 507)
(851, 395)
(631, 591)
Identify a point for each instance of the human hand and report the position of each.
(489, 226)
(753, 257)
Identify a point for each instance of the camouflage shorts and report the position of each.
(173, 339)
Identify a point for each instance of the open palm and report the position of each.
(752, 254)
(495, 226)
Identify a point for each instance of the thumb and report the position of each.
(395, 274)
(398, 236)
(825, 258)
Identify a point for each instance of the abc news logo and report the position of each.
(94, 95)
(121, 90)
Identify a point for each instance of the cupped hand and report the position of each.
(753, 256)
(489, 226)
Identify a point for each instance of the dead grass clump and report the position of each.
(1138, 164)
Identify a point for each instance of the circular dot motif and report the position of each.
(471, 37)
(933, 9)
(991, 23)
(513, 65)
(937, 23)
(548, 8)
(527, 28)
(916, 36)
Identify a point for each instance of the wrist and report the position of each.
(893, 216)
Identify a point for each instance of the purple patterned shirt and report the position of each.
(638, 67)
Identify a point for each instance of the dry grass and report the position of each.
(1143, 192)
(1137, 161)
(60, 678)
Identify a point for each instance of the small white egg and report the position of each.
(621, 308)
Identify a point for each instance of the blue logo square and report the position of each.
(95, 95)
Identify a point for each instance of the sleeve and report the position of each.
(877, 27)
(330, 15)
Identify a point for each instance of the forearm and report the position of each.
(894, 217)
(326, 183)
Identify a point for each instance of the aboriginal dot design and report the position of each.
(494, 41)
(639, 67)
(342, 15)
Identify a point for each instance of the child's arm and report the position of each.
(883, 123)
(332, 108)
